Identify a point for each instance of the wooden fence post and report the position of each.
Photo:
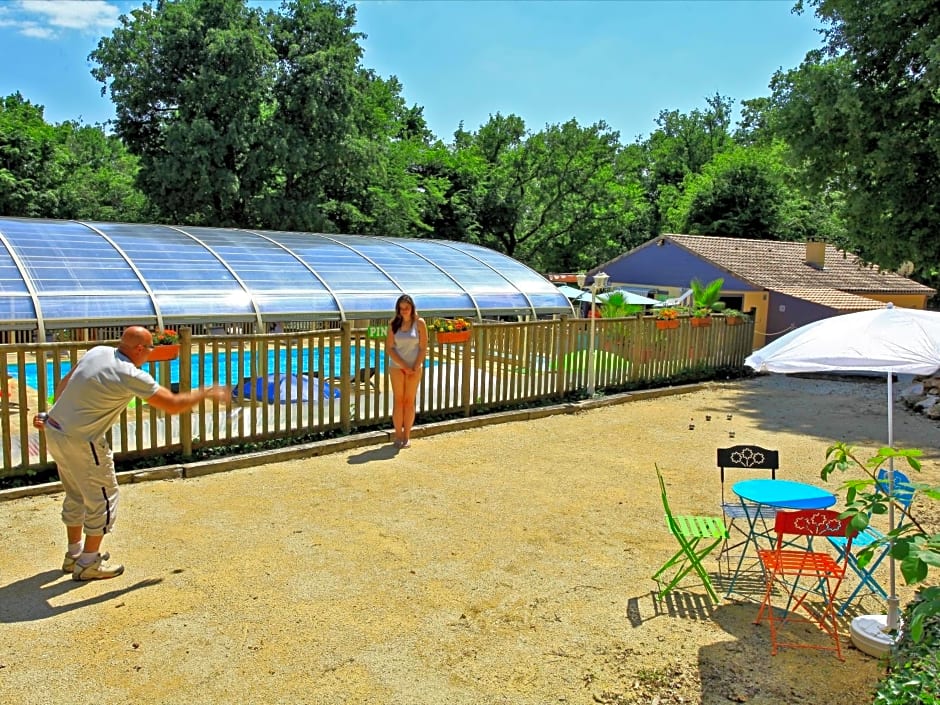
(186, 383)
(345, 374)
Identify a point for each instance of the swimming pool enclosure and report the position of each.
(334, 380)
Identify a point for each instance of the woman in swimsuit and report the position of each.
(406, 347)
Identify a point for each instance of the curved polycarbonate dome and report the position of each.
(60, 274)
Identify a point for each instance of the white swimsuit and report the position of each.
(407, 344)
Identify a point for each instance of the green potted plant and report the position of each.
(733, 317)
(701, 317)
(705, 296)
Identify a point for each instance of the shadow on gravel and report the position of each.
(678, 604)
(384, 452)
(31, 599)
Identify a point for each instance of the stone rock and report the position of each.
(913, 400)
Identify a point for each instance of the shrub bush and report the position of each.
(914, 672)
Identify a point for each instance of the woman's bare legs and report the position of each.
(411, 392)
(404, 391)
(397, 376)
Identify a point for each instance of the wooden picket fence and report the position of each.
(334, 380)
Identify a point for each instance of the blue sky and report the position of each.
(618, 61)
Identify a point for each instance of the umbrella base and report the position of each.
(870, 634)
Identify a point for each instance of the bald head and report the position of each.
(134, 336)
(136, 343)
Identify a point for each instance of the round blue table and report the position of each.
(785, 494)
(782, 494)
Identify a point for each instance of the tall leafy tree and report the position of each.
(863, 115)
(190, 81)
(67, 170)
(737, 194)
(557, 199)
(264, 119)
(99, 177)
(30, 166)
(382, 188)
(680, 147)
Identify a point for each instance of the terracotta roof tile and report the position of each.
(833, 298)
(775, 265)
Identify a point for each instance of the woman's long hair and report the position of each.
(398, 320)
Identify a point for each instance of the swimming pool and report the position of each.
(234, 367)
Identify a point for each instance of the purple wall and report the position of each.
(798, 313)
(669, 265)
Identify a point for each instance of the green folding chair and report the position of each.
(697, 536)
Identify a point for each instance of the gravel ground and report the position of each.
(505, 564)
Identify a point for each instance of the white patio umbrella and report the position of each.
(890, 340)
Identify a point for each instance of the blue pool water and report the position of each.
(233, 368)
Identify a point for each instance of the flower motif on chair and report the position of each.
(820, 524)
(747, 457)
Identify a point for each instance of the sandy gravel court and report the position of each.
(508, 564)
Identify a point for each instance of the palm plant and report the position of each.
(616, 306)
(705, 296)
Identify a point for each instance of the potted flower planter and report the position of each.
(460, 336)
(162, 353)
(664, 324)
(701, 322)
(734, 320)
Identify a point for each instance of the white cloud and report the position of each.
(30, 30)
(47, 19)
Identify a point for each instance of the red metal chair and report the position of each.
(821, 575)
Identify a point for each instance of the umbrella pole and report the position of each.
(893, 602)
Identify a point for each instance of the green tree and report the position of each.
(30, 167)
(680, 148)
(383, 188)
(98, 177)
(262, 119)
(737, 194)
(862, 115)
(558, 199)
(67, 170)
(684, 143)
(191, 86)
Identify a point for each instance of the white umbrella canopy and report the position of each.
(890, 340)
(895, 340)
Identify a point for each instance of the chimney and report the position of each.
(816, 254)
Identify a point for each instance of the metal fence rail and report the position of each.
(335, 379)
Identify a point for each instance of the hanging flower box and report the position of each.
(461, 336)
(734, 320)
(162, 353)
(455, 330)
(166, 346)
(701, 322)
(667, 318)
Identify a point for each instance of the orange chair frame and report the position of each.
(784, 567)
